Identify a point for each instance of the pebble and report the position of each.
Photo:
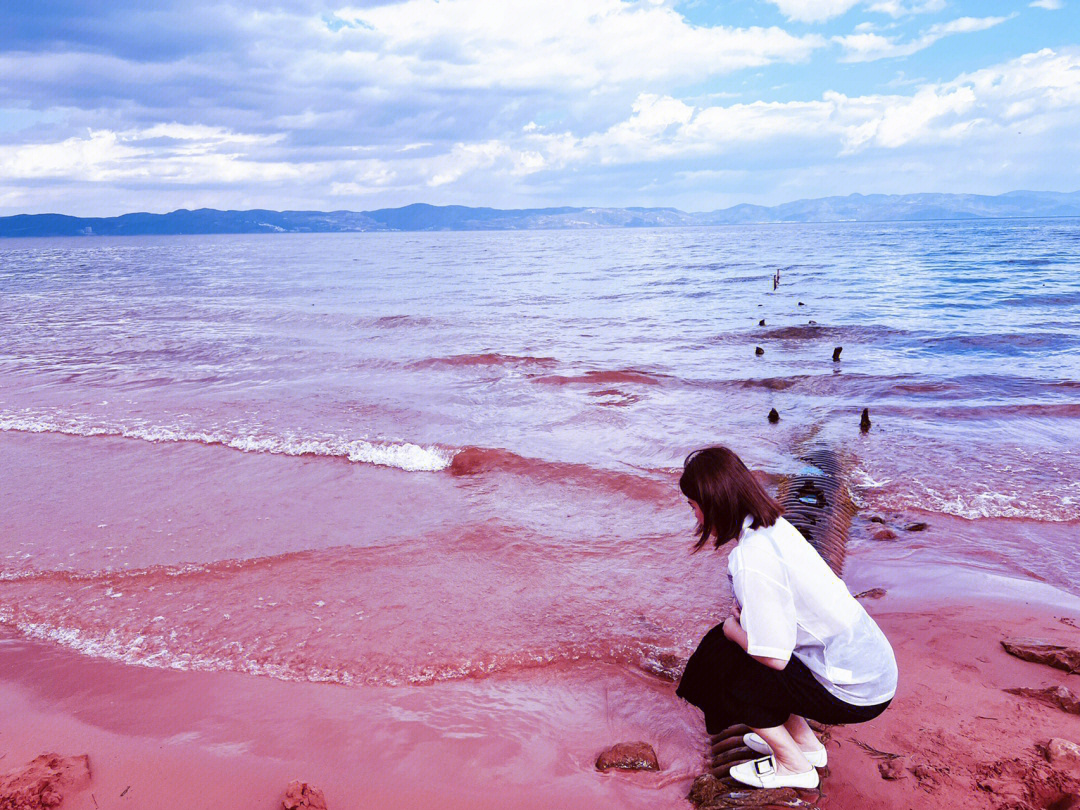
(774, 417)
(759, 351)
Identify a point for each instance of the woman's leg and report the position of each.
(802, 734)
(789, 757)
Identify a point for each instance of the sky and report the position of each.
(137, 105)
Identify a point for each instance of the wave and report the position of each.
(1043, 300)
(1000, 343)
(907, 494)
(485, 359)
(470, 461)
(597, 377)
(462, 462)
(384, 453)
(325, 616)
(146, 650)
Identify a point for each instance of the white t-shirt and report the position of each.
(793, 604)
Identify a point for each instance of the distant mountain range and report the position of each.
(421, 217)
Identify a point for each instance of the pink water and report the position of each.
(404, 461)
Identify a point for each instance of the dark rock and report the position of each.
(884, 534)
(1070, 802)
(873, 593)
(302, 796)
(44, 783)
(919, 526)
(836, 354)
(864, 422)
(801, 304)
(812, 323)
(891, 769)
(877, 519)
(631, 756)
(774, 417)
(1058, 696)
(761, 322)
(759, 351)
(1059, 656)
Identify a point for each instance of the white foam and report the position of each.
(384, 453)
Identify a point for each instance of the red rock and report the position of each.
(302, 796)
(706, 790)
(884, 534)
(631, 756)
(44, 782)
(1059, 696)
(1063, 753)
(1040, 651)
(891, 768)
(710, 793)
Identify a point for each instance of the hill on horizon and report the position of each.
(425, 217)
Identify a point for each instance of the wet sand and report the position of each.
(174, 739)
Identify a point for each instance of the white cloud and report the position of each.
(1049, 5)
(164, 152)
(813, 11)
(575, 43)
(1036, 93)
(898, 8)
(868, 47)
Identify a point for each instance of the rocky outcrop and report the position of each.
(44, 782)
(1063, 754)
(629, 756)
(302, 796)
(1040, 651)
(1059, 696)
(711, 793)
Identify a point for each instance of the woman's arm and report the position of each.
(734, 631)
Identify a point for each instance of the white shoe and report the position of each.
(761, 773)
(818, 758)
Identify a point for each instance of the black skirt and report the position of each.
(731, 687)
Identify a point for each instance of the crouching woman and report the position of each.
(796, 646)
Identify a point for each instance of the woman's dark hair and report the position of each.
(727, 493)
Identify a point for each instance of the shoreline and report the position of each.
(183, 739)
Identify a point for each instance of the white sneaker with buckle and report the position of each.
(818, 758)
(761, 773)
